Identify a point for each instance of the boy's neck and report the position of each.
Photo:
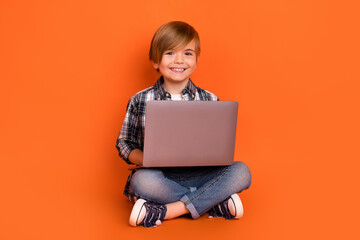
(174, 87)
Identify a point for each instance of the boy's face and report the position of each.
(178, 64)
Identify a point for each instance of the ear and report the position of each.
(155, 65)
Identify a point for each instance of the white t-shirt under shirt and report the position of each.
(176, 97)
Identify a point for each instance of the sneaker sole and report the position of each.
(239, 210)
(133, 220)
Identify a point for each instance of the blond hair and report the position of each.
(172, 35)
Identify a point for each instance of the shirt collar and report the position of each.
(161, 93)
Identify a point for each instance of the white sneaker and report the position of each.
(235, 206)
(147, 214)
(229, 208)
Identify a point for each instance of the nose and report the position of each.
(178, 58)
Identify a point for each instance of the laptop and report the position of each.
(189, 133)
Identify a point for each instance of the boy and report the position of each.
(165, 193)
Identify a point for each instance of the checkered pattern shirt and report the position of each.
(132, 132)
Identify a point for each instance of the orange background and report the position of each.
(68, 68)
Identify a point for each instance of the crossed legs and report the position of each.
(195, 192)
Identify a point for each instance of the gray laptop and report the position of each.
(189, 133)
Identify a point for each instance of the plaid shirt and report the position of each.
(132, 132)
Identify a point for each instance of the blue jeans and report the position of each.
(199, 188)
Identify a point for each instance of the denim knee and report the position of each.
(143, 182)
(243, 176)
(152, 185)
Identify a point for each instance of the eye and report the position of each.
(188, 54)
(169, 53)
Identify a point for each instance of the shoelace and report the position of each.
(221, 210)
(154, 213)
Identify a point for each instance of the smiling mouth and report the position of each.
(178, 69)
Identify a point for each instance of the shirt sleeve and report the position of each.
(128, 139)
(212, 97)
